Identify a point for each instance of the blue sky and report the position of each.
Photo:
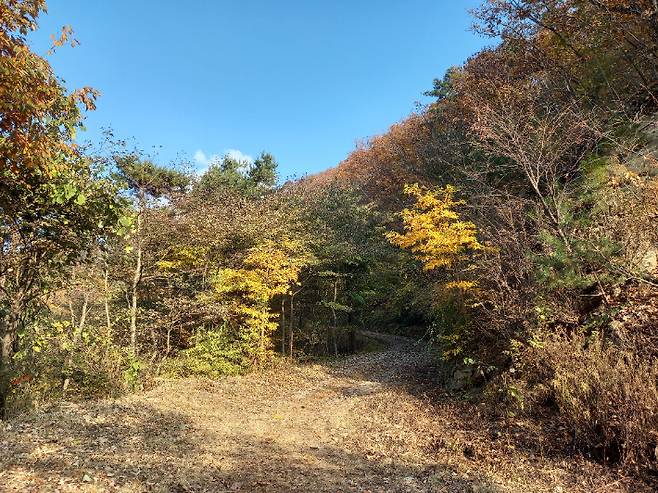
(303, 80)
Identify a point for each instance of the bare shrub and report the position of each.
(607, 395)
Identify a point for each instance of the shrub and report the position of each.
(91, 365)
(213, 354)
(607, 395)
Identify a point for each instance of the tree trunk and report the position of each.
(283, 325)
(352, 339)
(77, 336)
(352, 333)
(262, 344)
(168, 348)
(135, 284)
(292, 325)
(300, 320)
(8, 330)
(335, 318)
(108, 320)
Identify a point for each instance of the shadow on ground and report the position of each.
(120, 447)
(366, 423)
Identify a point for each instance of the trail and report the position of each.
(372, 422)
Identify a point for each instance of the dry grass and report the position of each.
(608, 396)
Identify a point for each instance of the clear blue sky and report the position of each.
(302, 79)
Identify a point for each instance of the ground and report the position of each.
(372, 422)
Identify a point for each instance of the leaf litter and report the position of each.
(371, 422)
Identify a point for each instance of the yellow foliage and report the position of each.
(463, 285)
(269, 269)
(434, 232)
(183, 257)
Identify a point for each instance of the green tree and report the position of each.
(230, 175)
(147, 183)
(263, 172)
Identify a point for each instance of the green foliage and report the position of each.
(230, 175)
(54, 209)
(444, 88)
(50, 353)
(214, 353)
(336, 306)
(580, 264)
(145, 178)
(450, 327)
(594, 170)
(132, 374)
(535, 135)
(225, 174)
(262, 174)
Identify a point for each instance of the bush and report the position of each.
(213, 354)
(609, 397)
(91, 365)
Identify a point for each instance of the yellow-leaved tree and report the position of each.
(434, 231)
(269, 269)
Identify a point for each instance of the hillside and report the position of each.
(206, 328)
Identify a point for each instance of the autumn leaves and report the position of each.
(435, 233)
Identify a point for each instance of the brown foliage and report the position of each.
(604, 48)
(37, 116)
(382, 165)
(607, 395)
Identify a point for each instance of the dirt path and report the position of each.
(367, 423)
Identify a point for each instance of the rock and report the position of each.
(87, 478)
(462, 378)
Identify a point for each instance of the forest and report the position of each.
(511, 226)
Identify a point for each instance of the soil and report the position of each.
(372, 422)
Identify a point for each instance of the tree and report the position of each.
(53, 208)
(604, 49)
(230, 175)
(223, 175)
(434, 231)
(544, 141)
(263, 172)
(38, 118)
(147, 182)
(268, 270)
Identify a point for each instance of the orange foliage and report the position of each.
(385, 163)
(38, 119)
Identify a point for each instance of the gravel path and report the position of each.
(372, 422)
